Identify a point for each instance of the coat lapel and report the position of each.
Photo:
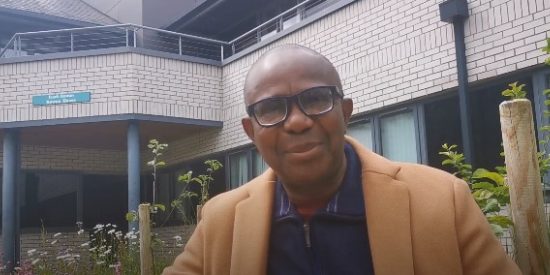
(252, 227)
(388, 214)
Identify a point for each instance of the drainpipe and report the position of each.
(456, 12)
(10, 202)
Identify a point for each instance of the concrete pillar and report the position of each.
(133, 170)
(10, 205)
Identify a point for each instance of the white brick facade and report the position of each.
(389, 52)
(119, 84)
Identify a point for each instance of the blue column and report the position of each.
(133, 170)
(10, 211)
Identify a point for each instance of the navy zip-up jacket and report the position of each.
(334, 241)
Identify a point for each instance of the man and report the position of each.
(327, 205)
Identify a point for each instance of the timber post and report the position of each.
(531, 240)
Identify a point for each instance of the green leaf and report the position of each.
(175, 203)
(497, 229)
(483, 185)
(515, 91)
(485, 174)
(131, 216)
(482, 194)
(502, 221)
(546, 48)
(492, 206)
(185, 177)
(160, 206)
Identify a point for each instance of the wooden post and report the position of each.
(531, 244)
(145, 250)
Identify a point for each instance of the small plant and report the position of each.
(515, 91)
(203, 181)
(157, 149)
(489, 188)
(546, 49)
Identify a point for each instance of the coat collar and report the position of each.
(388, 213)
(386, 204)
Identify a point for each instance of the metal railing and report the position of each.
(103, 37)
(278, 24)
(131, 35)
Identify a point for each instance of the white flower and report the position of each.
(111, 231)
(35, 261)
(61, 257)
(178, 238)
(99, 226)
(85, 244)
(57, 234)
(80, 231)
(31, 251)
(100, 262)
(53, 242)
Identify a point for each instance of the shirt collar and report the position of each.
(348, 201)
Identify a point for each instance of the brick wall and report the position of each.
(389, 52)
(119, 83)
(73, 159)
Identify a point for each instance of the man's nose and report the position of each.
(297, 121)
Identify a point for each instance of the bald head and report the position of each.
(294, 60)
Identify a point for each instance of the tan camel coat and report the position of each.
(420, 221)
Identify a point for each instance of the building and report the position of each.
(78, 106)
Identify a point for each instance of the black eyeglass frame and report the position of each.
(335, 92)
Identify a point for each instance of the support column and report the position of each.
(10, 205)
(133, 170)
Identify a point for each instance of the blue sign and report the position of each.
(76, 97)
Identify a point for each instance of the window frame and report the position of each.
(417, 111)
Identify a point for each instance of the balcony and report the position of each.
(99, 39)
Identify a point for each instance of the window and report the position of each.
(49, 199)
(361, 131)
(398, 136)
(395, 135)
(238, 169)
(259, 165)
(244, 165)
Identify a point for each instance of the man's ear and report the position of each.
(347, 109)
(248, 127)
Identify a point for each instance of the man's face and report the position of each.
(302, 150)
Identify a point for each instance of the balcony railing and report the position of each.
(279, 23)
(131, 35)
(103, 37)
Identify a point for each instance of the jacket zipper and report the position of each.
(307, 235)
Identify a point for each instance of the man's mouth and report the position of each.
(302, 148)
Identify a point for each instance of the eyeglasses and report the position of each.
(312, 102)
